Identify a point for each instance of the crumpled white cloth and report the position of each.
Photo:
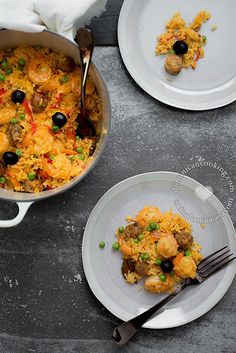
(62, 16)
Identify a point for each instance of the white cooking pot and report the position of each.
(58, 43)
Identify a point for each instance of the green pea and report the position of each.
(158, 226)
(2, 77)
(140, 237)
(149, 229)
(121, 229)
(171, 274)
(52, 157)
(204, 38)
(31, 176)
(22, 116)
(14, 121)
(8, 71)
(79, 149)
(162, 278)
(115, 246)
(2, 180)
(72, 158)
(136, 241)
(19, 152)
(77, 138)
(65, 79)
(102, 244)
(4, 64)
(187, 253)
(22, 62)
(172, 51)
(144, 256)
(153, 225)
(55, 128)
(81, 157)
(158, 262)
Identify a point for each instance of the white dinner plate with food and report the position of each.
(213, 82)
(102, 266)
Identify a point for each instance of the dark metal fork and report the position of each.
(206, 268)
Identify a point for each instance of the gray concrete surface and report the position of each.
(46, 305)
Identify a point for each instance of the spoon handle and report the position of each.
(85, 40)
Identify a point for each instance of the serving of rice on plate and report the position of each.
(178, 30)
(159, 247)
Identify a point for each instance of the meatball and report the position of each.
(186, 268)
(39, 102)
(133, 230)
(167, 246)
(184, 240)
(127, 266)
(141, 268)
(65, 64)
(2, 168)
(153, 284)
(173, 64)
(14, 133)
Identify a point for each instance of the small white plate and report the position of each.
(212, 84)
(103, 266)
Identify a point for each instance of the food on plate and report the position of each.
(182, 43)
(173, 64)
(213, 28)
(159, 247)
(40, 148)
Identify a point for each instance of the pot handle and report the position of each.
(23, 208)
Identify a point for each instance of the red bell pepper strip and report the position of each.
(58, 99)
(196, 58)
(25, 104)
(2, 91)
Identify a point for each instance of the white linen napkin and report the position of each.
(62, 16)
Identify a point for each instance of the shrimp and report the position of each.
(186, 267)
(39, 71)
(167, 246)
(4, 142)
(153, 284)
(42, 141)
(59, 168)
(148, 214)
(124, 247)
(6, 114)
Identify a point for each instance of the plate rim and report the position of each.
(222, 290)
(122, 21)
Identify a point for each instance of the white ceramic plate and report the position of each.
(212, 84)
(103, 266)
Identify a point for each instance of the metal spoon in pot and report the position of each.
(85, 41)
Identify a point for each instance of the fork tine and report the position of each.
(213, 260)
(218, 268)
(211, 255)
(213, 264)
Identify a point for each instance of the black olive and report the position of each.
(180, 47)
(17, 96)
(167, 266)
(59, 119)
(10, 158)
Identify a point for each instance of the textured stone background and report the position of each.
(46, 305)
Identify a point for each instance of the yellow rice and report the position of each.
(169, 223)
(176, 29)
(50, 156)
